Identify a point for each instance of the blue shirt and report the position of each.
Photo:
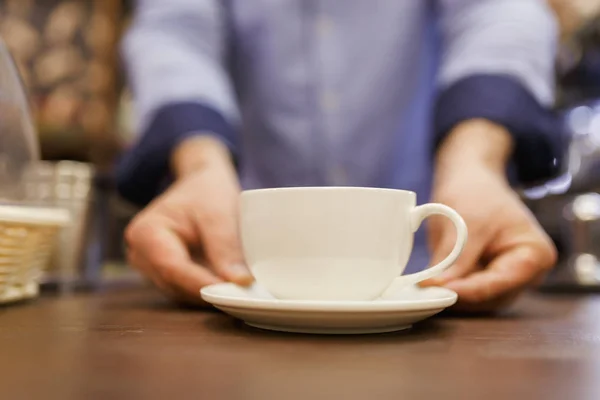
(337, 92)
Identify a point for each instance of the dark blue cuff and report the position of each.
(537, 131)
(143, 170)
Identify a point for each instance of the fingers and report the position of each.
(496, 304)
(215, 220)
(442, 241)
(161, 255)
(172, 292)
(219, 235)
(509, 272)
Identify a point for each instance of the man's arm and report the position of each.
(494, 111)
(175, 53)
(498, 65)
(187, 237)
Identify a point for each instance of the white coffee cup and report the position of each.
(336, 243)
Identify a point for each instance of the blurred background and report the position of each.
(66, 52)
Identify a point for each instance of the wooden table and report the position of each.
(131, 344)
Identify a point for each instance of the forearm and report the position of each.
(475, 143)
(174, 56)
(498, 67)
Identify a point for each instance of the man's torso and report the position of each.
(334, 93)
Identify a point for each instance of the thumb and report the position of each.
(222, 246)
(441, 243)
(216, 220)
(440, 246)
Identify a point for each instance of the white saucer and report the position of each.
(396, 311)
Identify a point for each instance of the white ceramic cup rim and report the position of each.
(249, 192)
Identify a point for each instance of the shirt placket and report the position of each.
(328, 96)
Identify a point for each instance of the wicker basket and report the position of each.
(27, 237)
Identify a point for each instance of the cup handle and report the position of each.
(418, 214)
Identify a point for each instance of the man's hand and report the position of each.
(188, 237)
(507, 250)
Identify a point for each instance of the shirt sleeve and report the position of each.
(175, 54)
(498, 64)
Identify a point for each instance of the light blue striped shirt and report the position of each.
(337, 92)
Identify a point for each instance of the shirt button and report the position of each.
(329, 102)
(338, 176)
(324, 25)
